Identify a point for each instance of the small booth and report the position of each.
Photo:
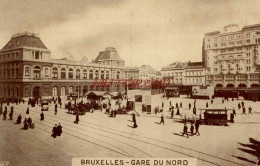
(97, 95)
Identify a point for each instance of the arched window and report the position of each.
(102, 74)
(78, 89)
(63, 91)
(37, 72)
(27, 71)
(91, 74)
(54, 91)
(118, 75)
(84, 74)
(96, 74)
(107, 74)
(70, 89)
(63, 73)
(77, 74)
(54, 72)
(70, 73)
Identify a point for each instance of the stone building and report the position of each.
(231, 56)
(27, 70)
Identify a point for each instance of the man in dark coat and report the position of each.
(19, 119)
(59, 130)
(185, 130)
(54, 131)
(77, 119)
(29, 122)
(28, 111)
(42, 116)
(162, 119)
(192, 129)
(134, 119)
(172, 113)
(25, 124)
(197, 125)
(11, 115)
(189, 106)
(5, 113)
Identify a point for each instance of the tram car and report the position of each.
(214, 116)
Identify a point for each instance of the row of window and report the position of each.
(10, 56)
(91, 74)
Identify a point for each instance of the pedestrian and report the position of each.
(207, 105)
(194, 110)
(170, 103)
(242, 103)
(244, 110)
(135, 125)
(42, 116)
(5, 113)
(56, 110)
(19, 119)
(77, 119)
(177, 106)
(54, 131)
(29, 122)
(59, 130)
(133, 118)
(27, 111)
(172, 113)
(191, 129)
(239, 106)
(60, 104)
(189, 106)
(250, 110)
(162, 104)
(11, 115)
(162, 119)
(178, 111)
(223, 101)
(25, 125)
(197, 125)
(185, 130)
(181, 105)
(211, 101)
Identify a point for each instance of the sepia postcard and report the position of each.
(129, 83)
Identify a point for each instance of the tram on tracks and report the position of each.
(214, 116)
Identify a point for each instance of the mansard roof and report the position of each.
(24, 40)
(109, 54)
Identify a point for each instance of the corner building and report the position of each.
(231, 57)
(27, 70)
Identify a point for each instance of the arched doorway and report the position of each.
(255, 85)
(219, 85)
(242, 86)
(230, 85)
(36, 92)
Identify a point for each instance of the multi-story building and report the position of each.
(231, 57)
(143, 72)
(188, 73)
(27, 70)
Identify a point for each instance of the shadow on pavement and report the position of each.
(253, 148)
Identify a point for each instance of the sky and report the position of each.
(144, 32)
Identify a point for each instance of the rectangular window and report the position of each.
(46, 72)
(27, 71)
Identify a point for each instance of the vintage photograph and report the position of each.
(129, 83)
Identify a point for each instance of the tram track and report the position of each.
(199, 157)
(88, 135)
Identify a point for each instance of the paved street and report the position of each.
(98, 135)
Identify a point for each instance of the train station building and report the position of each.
(27, 70)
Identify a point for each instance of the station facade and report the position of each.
(27, 70)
